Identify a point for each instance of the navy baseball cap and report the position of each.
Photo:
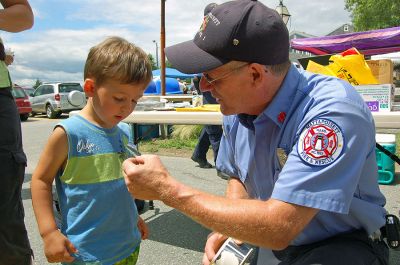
(241, 30)
(209, 7)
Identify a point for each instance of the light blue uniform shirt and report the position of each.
(344, 186)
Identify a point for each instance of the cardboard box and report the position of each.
(378, 97)
(382, 70)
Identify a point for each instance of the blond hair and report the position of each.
(117, 59)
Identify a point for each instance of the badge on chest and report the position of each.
(321, 142)
(282, 156)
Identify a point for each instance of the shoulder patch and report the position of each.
(321, 142)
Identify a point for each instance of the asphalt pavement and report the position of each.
(174, 238)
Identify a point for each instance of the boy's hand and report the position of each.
(58, 248)
(143, 228)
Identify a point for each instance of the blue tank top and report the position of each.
(99, 215)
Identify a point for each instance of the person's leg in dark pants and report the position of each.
(348, 249)
(200, 152)
(214, 135)
(347, 253)
(14, 244)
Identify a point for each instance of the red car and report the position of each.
(23, 103)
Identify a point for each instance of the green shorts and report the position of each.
(130, 260)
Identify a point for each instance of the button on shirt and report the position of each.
(345, 190)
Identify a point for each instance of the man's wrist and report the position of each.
(175, 193)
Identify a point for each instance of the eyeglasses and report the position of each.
(212, 81)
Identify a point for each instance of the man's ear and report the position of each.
(258, 73)
(88, 87)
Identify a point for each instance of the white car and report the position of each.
(53, 99)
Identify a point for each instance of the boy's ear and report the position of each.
(88, 86)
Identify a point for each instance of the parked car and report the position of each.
(53, 99)
(22, 101)
(29, 90)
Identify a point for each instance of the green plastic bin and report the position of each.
(386, 168)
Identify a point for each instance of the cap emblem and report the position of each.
(204, 24)
(235, 42)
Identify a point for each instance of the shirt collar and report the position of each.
(283, 100)
(280, 104)
(247, 120)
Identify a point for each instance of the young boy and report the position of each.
(100, 223)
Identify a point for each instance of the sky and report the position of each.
(56, 47)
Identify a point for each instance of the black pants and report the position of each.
(210, 134)
(353, 248)
(14, 244)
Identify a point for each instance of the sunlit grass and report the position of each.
(184, 132)
(183, 137)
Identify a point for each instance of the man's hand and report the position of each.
(146, 177)
(58, 248)
(214, 242)
(9, 59)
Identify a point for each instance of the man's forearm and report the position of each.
(272, 223)
(262, 223)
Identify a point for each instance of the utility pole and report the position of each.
(158, 66)
(163, 47)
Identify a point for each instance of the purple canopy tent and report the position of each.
(368, 42)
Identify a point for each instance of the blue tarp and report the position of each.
(171, 86)
(171, 72)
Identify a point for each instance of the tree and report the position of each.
(153, 63)
(37, 83)
(373, 14)
(168, 64)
